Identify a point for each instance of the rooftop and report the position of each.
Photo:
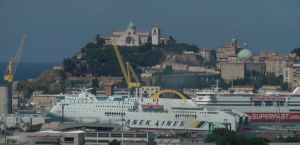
(245, 54)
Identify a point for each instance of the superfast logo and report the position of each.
(274, 116)
(268, 116)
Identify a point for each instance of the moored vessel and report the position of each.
(166, 110)
(272, 107)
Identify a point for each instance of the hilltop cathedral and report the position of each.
(131, 37)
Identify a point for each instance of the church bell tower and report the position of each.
(155, 35)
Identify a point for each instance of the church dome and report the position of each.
(245, 54)
(131, 26)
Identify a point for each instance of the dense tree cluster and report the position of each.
(288, 139)
(256, 79)
(226, 137)
(296, 51)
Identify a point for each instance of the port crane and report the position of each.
(127, 70)
(13, 63)
(11, 70)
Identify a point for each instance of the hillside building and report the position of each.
(206, 54)
(229, 50)
(45, 101)
(238, 67)
(288, 74)
(263, 55)
(238, 70)
(296, 75)
(132, 37)
(276, 64)
(232, 71)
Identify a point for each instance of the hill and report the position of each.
(97, 59)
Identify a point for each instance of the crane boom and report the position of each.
(129, 75)
(121, 63)
(13, 63)
(133, 76)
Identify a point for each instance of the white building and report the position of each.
(288, 74)
(55, 138)
(276, 64)
(3, 100)
(125, 138)
(155, 35)
(132, 37)
(296, 75)
(205, 53)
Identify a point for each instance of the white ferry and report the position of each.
(167, 109)
(276, 107)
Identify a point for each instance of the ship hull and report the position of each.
(263, 114)
(285, 108)
(145, 113)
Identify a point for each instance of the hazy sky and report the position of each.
(57, 29)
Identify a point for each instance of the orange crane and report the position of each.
(128, 73)
(11, 70)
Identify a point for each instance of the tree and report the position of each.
(62, 75)
(168, 69)
(69, 65)
(222, 136)
(284, 86)
(213, 55)
(296, 51)
(288, 139)
(149, 40)
(122, 84)
(115, 142)
(99, 41)
(256, 141)
(95, 85)
(171, 41)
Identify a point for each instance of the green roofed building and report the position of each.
(245, 54)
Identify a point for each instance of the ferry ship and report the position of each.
(167, 109)
(272, 107)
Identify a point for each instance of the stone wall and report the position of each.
(232, 71)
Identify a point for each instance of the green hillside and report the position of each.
(100, 60)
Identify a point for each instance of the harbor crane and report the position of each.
(127, 70)
(11, 70)
(13, 63)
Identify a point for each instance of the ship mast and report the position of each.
(216, 91)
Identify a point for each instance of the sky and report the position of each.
(57, 29)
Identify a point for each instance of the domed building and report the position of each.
(132, 37)
(245, 55)
(131, 26)
(238, 67)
